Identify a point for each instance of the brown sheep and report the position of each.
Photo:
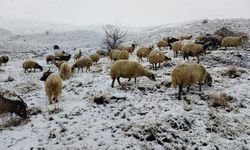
(123, 55)
(194, 50)
(30, 64)
(114, 54)
(58, 63)
(95, 57)
(51, 58)
(128, 69)
(232, 42)
(157, 57)
(130, 49)
(82, 62)
(143, 52)
(187, 74)
(77, 56)
(65, 71)
(4, 60)
(161, 44)
(176, 47)
(185, 37)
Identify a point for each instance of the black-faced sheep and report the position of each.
(82, 62)
(65, 71)
(65, 57)
(28, 65)
(187, 74)
(4, 60)
(231, 42)
(143, 52)
(77, 56)
(128, 69)
(130, 49)
(176, 47)
(59, 53)
(194, 50)
(53, 85)
(157, 57)
(51, 58)
(13, 106)
(95, 57)
(214, 39)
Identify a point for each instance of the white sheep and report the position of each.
(53, 85)
(128, 69)
(187, 74)
(176, 47)
(143, 52)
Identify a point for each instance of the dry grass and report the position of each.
(219, 100)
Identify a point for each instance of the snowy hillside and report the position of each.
(145, 115)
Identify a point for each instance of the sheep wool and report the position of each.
(95, 57)
(156, 57)
(128, 69)
(231, 42)
(30, 64)
(65, 71)
(123, 54)
(83, 62)
(187, 74)
(53, 87)
(143, 52)
(176, 47)
(192, 50)
(161, 44)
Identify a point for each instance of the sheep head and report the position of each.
(151, 76)
(45, 75)
(39, 67)
(208, 79)
(21, 107)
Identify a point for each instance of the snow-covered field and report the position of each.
(145, 115)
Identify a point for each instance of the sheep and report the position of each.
(214, 39)
(232, 42)
(77, 56)
(82, 62)
(187, 74)
(130, 49)
(143, 52)
(13, 106)
(114, 54)
(128, 69)
(156, 57)
(193, 49)
(185, 37)
(51, 58)
(59, 53)
(123, 54)
(176, 47)
(29, 64)
(65, 71)
(58, 63)
(161, 44)
(53, 85)
(4, 60)
(95, 57)
(56, 47)
(65, 57)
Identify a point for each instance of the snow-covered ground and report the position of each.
(145, 115)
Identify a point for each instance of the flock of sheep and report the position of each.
(183, 75)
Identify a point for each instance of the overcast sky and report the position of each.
(125, 12)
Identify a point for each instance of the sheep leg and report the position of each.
(199, 86)
(180, 91)
(118, 79)
(129, 79)
(135, 80)
(188, 88)
(159, 65)
(112, 85)
(198, 59)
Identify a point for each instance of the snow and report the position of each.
(145, 115)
